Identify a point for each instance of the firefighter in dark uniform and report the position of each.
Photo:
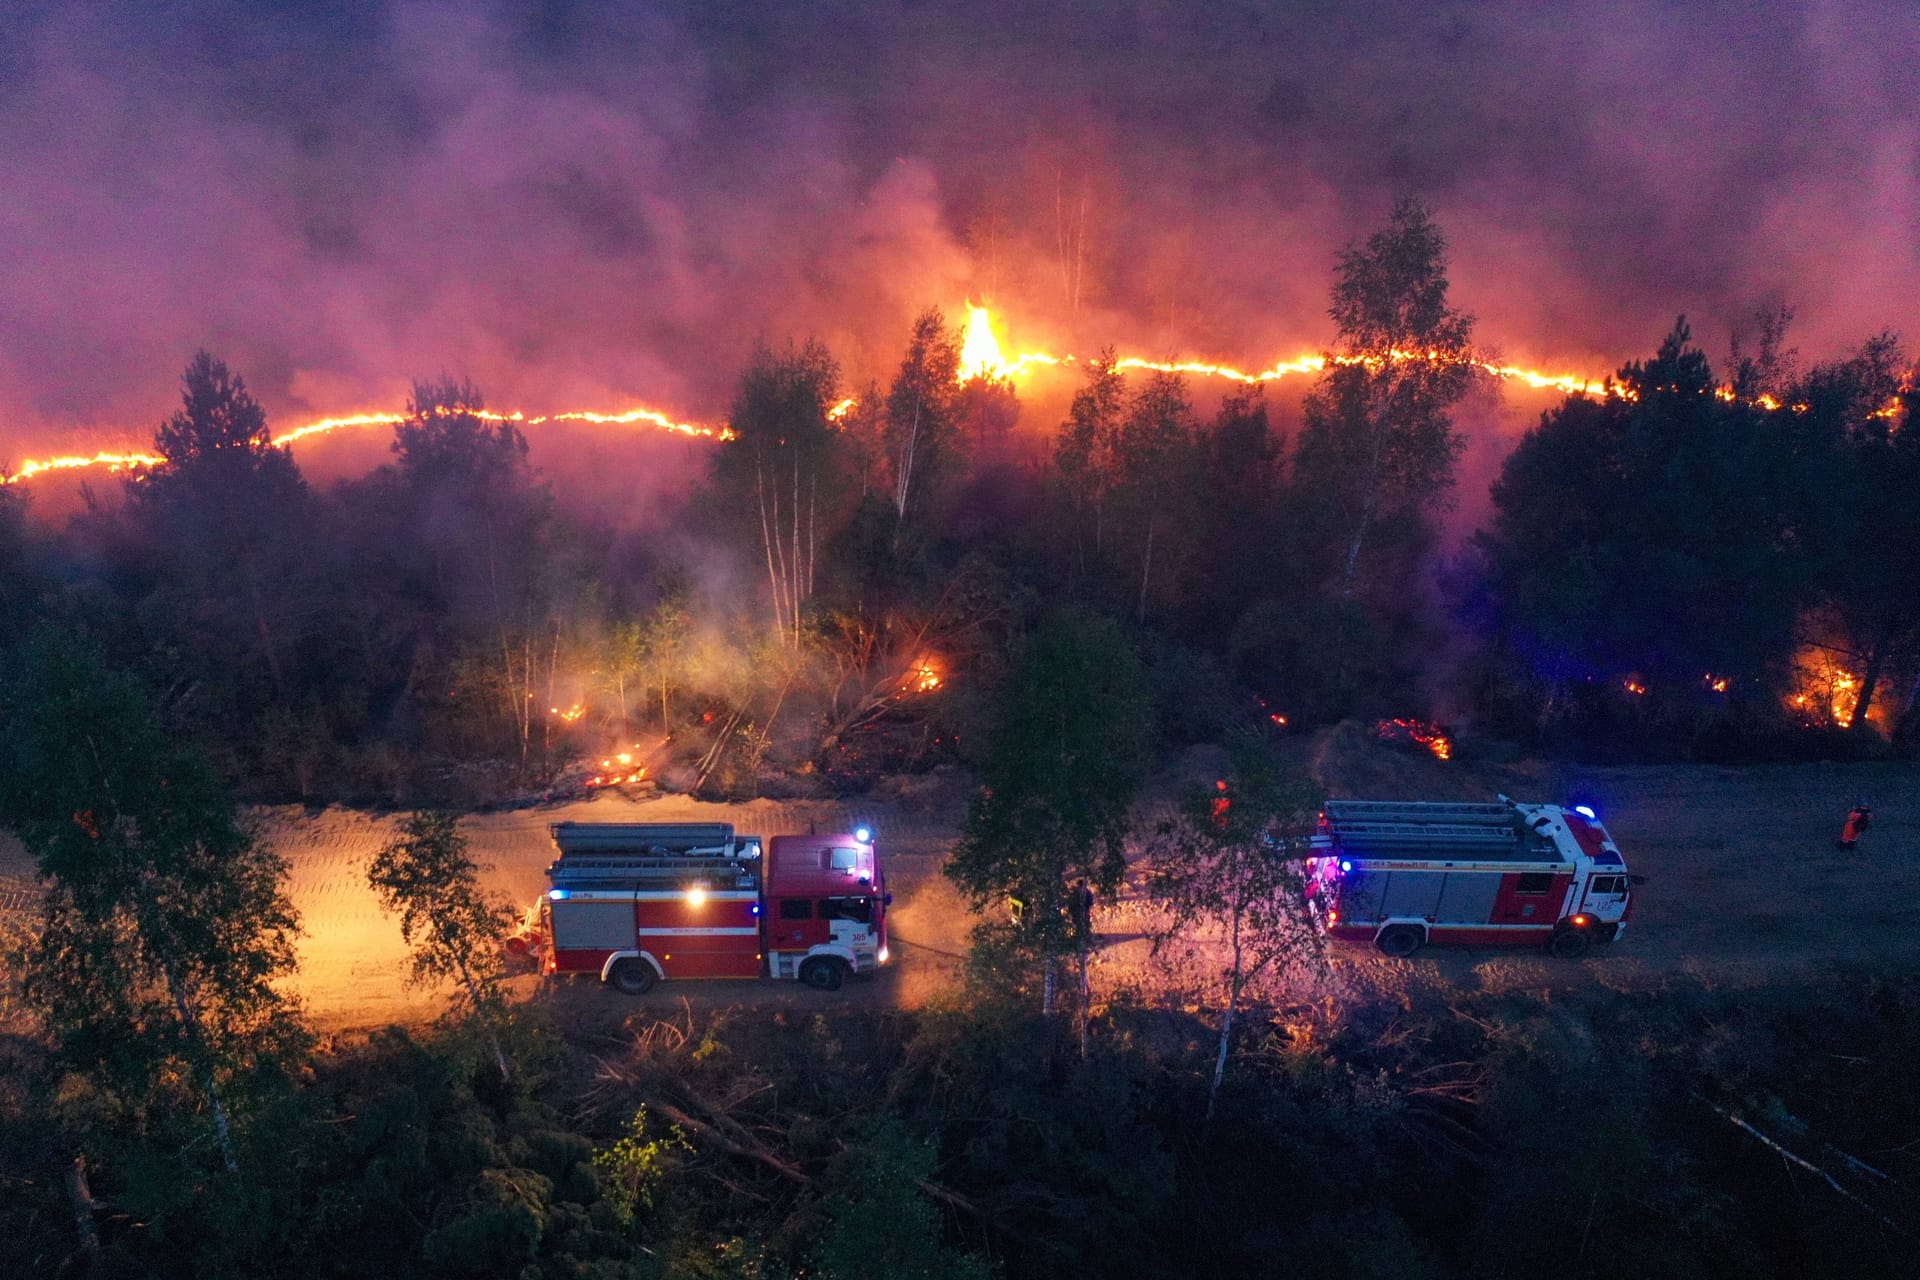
(1859, 818)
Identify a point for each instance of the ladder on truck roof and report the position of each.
(653, 855)
(1393, 826)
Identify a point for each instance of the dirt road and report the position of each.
(1744, 882)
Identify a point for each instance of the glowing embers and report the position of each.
(619, 769)
(1416, 734)
(1824, 692)
(923, 677)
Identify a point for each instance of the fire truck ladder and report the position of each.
(653, 855)
(1387, 827)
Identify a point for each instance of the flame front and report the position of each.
(981, 356)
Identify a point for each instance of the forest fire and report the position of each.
(981, 356)
(1416, 733)
(1824, 693)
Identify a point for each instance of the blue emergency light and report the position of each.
(557, 894)
(863, 834)
(1586, 812)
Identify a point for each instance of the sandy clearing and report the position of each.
(1744, 884)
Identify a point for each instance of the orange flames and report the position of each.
(1430, 736)
(981, 356)
(1824, 691)
(617, 769)
(325, 426)
(924, 677)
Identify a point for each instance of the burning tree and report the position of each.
(1230, 859)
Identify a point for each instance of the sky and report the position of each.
(584, 205)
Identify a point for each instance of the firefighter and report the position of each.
(1081, 905)
(1859, 818)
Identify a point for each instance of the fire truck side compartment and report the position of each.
(597, 925)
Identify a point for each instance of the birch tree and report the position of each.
(166, 926)
(454, 926)
(1378, 442)
(1228, 865)
(778, 468)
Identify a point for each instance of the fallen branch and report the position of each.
(1809, 1166)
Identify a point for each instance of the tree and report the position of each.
(1067, 754)
(1653, 532)
(166, 926)
(780, 467)
(1154, 451)
(475, 545)
(229, 515)
(1378, 446)
(1855, 515)
(1230, 858)
(425, 877)
(922, 426)
(1084, 463)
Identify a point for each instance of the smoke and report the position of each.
(577, 208)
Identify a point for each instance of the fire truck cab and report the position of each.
(1403, 874)
(639, 902)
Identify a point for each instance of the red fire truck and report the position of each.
(637, 902)
(1401, 875)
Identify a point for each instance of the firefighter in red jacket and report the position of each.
(1859, 818)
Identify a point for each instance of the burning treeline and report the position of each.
(1673, 561)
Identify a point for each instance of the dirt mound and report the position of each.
(1352, 763)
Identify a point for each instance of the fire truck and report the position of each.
(636, 903)
(1403, 874)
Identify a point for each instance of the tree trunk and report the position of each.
(191, 1021)
(473, 994)
(80, 1196)
(1870, 680)
(1047, 988)
(1146, 571)
(1220, 1059)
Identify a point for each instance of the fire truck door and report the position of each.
(1606, 896)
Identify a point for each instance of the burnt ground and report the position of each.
(1745, 885)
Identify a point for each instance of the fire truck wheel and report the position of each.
(1400, 941)
(635, 977)
(823, 974)
(1571, 944)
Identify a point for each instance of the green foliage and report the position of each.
(634, 1169)
(1230, 858)
(453, 925)
(1067, 755)
(1378, 447)
(166, 926)
(881, 1224)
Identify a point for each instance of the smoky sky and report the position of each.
(589, 205)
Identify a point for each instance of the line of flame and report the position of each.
(981, 357)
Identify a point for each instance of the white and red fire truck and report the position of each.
(638, 902)
(1403, 874)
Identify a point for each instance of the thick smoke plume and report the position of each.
(577, 209)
